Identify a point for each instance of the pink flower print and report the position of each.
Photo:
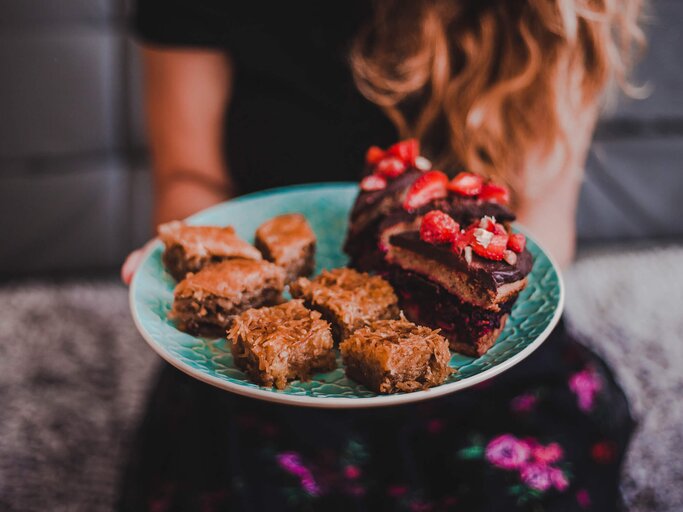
(585, 385)
(396, 491)
(523, 403)
(537, 476)
(351, 472)
(559, 479)
(291, 462)
(583, 498)
(435, 425)
(547, 454)
(507, 452)
(356, 490)
(604, 452)
(420, 506)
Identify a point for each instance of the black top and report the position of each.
(295, 116)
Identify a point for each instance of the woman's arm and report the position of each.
(186, 94)
(550, 212)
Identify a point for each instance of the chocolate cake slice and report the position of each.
(289, 242)
(390, 356)
(205, 302)
(278, 344)
(191, 248)
(464, 283)
(445, 245)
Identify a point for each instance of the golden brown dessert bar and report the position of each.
(391, 356)
(348, 299)
(288, 241)
(278, 344)
(191, 248)
(206, 301)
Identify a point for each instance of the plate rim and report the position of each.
(270, 395)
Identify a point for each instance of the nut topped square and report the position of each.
(191, 248)
(348, 299)
(275, 345)
(288, 241)
(205, 302)
(390, 356)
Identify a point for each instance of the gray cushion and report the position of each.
(68, 214)
(60, 92)
(632, 188)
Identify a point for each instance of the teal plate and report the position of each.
(326, 206)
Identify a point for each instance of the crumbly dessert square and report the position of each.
(206, 301)
(278, 344)
(288, 241)
(391, 356)
(191, 248)
(348, 299)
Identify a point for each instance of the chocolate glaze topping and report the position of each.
(489, 273)
(368, 200)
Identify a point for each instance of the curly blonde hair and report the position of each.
(484, 84)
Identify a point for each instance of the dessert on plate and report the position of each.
(274, 345)
(191, 248)
(390, 356)
(347, 299)
(445, 245)
(289, 242)
(205, 302)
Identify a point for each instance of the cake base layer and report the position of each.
(469, 329)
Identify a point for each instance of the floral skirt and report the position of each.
(548, 435)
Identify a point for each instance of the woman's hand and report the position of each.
(133, 261)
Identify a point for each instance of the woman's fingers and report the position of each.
(133, 262)
(130, 266)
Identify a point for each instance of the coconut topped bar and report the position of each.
(191, 248)
(205, 302)
(275, 345)
(288, 241)
(348, 299)
(390, 356)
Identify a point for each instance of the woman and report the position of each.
(251, 97)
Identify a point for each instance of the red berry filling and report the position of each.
(426, 303)
(466, 184)
(429, 186)
(438, 227)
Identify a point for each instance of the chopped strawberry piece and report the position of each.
(487, 223)
(391, 167)
(374, 155)
(499, 229)
(460, 241)
(438, 227)
(517, 242)
(487, 244)
(466, 184)
(429, 186)
(495, 193)
(373, 182)
(406, 150)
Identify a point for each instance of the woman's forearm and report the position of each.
(187, 92)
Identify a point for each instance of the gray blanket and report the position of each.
(74, 375)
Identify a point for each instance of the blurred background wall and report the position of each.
(74, 179)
